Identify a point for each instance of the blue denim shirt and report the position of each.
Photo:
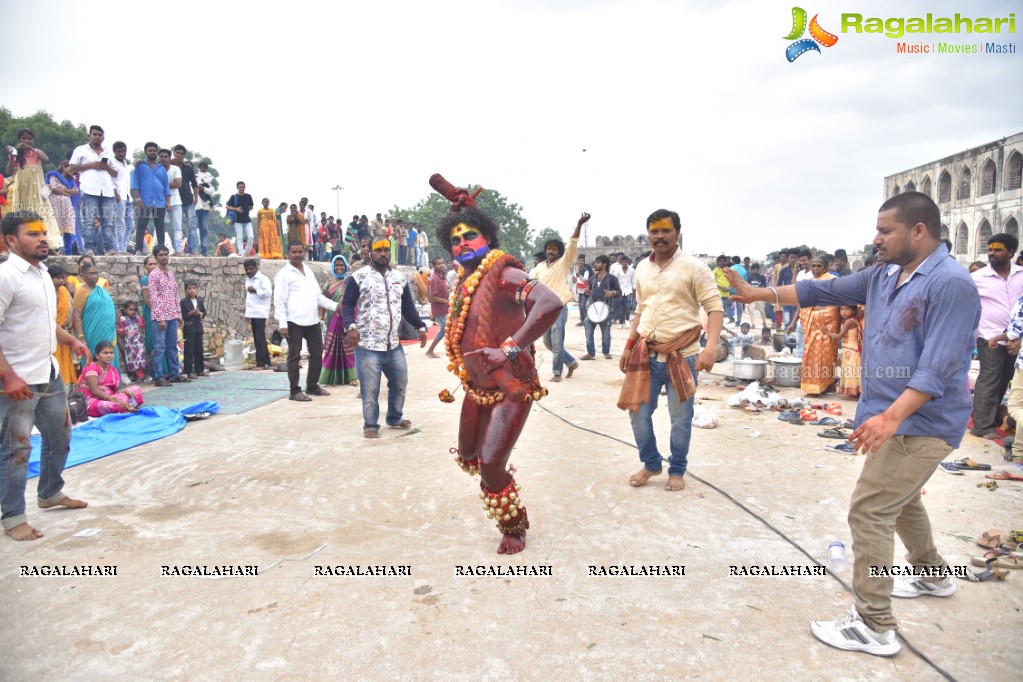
(152, 184)
(918, 336)
(1015, 329)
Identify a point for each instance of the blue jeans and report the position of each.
(165, 345)
(174, 216)
(124, 224)
(369, 364)
(190, 228)
(442, 320)
(681, 415)
(605, 335)
(202, 217)
(92, 207)
(47, 409)
(554, 341)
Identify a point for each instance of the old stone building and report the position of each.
(977, 190)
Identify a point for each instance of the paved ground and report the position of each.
(271, 487)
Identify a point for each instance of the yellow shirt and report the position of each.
(724, 286)
(555, 277)
(668, 299)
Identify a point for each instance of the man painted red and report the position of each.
(496, 313)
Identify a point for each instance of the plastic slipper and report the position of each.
(748, 408)
(1004, 476)
(196, 416)
(808, 415)
(834, 433)
(791, 418)
(984, 576)
(833, 408)
(991, 538)
(842, 448)
(849, 424)
(951, 468)
(996, 560)
(967, 464)
(825, 421)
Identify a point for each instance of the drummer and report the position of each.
(601, 291)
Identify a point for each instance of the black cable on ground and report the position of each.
(941, 671)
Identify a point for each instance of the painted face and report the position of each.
(467, 243)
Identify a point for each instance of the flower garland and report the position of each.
(459, 303)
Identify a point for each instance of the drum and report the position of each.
(597, 311)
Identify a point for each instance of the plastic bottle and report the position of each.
(836, 557)
(284, 346)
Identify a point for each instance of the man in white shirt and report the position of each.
(174, 206)
(297, 300)
(33, 391)
(424, 247)
(124, 217)
(626, 278)
(258, 291)
(203, 196)
(96, 178)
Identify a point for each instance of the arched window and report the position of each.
(926, 186)
(895, 190)
(1013, 171)
(910, 187)
(945, 188)
(987, 178)
(962, 242)
(964, 184)
(1011, 227)
(944, 231)
(983, 234)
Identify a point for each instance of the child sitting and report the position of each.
(742, 339)
(192, 312)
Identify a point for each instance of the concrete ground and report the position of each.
(292, 486)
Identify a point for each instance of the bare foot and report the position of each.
(571, 368)
(68, 502)
(641, 477)
(675, 484)
(512, 544)
(431, 354)
(23, 531)
(556, 378)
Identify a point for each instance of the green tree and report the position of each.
(57, 140)
(515, 235)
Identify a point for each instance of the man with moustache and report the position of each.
(187, 191)
(922, 309)
(96, 177)
(174, 206)
(297, 300)
(33, 391)
(553, 273)
(150, 188)
(663, 348)
(124, 217)
(497, 313)
(1000, 285)
(605, 288)
(383, 297)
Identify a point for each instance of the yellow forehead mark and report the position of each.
(35, 226)
(662, 224)
(997, 245)
(381, 244)
(460, 229)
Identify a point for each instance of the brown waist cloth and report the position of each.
(636, 389)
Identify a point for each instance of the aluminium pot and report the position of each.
(749, 370)
(788, 371)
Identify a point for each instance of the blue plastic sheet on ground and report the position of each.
(116, 432)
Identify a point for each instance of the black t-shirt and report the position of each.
(758, 281)
(187, 183)
(242, 204)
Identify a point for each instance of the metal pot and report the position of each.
(749, 370)
(779, 341)
(787, 371)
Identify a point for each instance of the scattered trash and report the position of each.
(753, 607)
(591, 645)
(990, 485)
(86, 533)
(821, 466)
(827, 501)
(755, 434)
(938, 625)
(409, 433)
(192, 485)
(704, 417)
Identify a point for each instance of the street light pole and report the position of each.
(337, 195)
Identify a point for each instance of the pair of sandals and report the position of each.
(960, 466)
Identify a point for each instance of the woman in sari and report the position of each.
(62, 188)
(95, 314)
(820, 349)
(65, 319)
(26, 162)
(147, 314)
(338, 356)
(851, 336)
(74, 282)
(269, 233)
(101, 385)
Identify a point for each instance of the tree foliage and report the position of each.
(515, 235)
(57, 140)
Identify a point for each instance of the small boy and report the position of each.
(192, 312)
(742, 339)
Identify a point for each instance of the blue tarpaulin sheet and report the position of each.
(113, 433)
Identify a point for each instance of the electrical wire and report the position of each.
(941, 671)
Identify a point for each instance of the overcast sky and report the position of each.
(690, 106)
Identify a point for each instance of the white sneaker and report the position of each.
(911, 588)
(851, 633)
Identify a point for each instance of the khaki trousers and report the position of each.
(1016, 410)
(886, 501)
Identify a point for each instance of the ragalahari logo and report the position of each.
(817, 35)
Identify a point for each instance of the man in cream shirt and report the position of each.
(554, 274)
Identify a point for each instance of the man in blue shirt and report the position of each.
(922, 309)
(151, 191)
